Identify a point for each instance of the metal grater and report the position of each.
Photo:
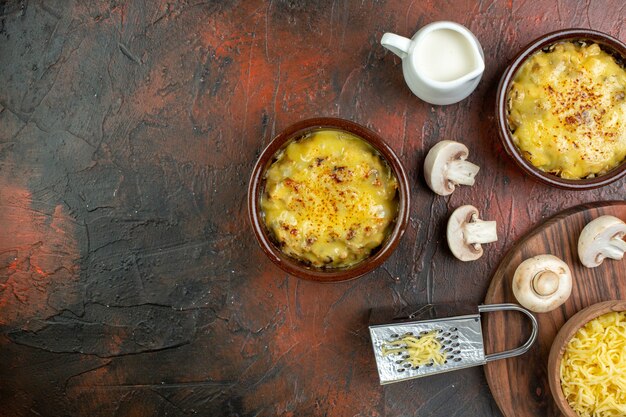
(461, 337)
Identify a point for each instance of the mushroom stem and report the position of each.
(480, 231)
(462, 172)
(616, 248)
(545, 283)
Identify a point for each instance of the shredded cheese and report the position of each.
(417, 351)
(593, 368)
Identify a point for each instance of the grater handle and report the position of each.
(517, 351)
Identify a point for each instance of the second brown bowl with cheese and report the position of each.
(328, 200)
(587, 362)
(561, 109)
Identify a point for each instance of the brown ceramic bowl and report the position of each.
(257, 185)
(561, 340)
(606, 42)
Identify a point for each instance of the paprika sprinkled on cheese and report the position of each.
(568, 110)
(329, 199)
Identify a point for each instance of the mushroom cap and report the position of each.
(454, 233)
(594, 243)
(435, 165)
(542, 283)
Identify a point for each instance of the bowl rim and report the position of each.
(615, 45)
(561, 340)
(255, 187)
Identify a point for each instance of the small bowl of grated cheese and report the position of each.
(587, 363)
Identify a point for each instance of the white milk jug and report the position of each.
(442, 63)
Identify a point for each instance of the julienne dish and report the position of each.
(567, 110)
(328, 200)
(587, 363)
(562, 109)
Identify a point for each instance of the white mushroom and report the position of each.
(542, 283)
(446, 167)
(602, 238)
(466, 232)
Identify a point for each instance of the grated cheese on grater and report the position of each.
(417, 351)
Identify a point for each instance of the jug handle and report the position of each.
(399, 45)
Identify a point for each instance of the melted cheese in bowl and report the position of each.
(568, 111)
(329, 199)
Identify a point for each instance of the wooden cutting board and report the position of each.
(520, 384)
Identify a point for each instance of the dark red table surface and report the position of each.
(130, 281)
